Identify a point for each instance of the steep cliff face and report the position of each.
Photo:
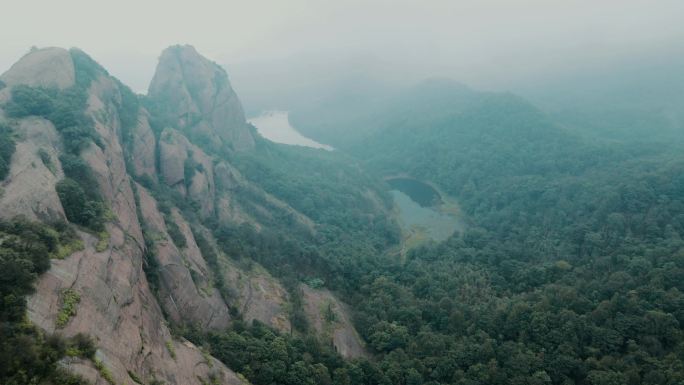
(330, 318)
(29, 189)
(185, 292)
(143, 148)
(124, 312)
(259, 296)
(116, 306)
(194, 94)
(188, 169)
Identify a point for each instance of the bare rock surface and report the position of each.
(186, 292)
(107, 163)
(143, 147)
(199, 97)
(260, 296)
(46, 67)
(29, 189)
(338, 328)
(173, 151)
(118, 310)
(178, 159)
(228, 177)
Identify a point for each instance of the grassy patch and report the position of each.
(171, 349)
(47, 160)
(103, 241)
(104, 372)
(66, 250)
(175, 233)
(135, 377)
(80, 345)
(328, 312)
(70, 300)
(329, 317)
(207, 357)
(314, 282)
(208, 289)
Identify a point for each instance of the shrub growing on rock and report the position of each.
(7, 147)
(78, 207)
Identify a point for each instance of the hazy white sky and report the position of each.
(477, 41)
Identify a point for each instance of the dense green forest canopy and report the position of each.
(348, 205)
(571, 272)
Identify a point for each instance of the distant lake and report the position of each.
(275, 126)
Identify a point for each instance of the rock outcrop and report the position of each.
(330, 318)
(47, 67)
(144, 147)
(116, 306)
(185, 293)
(259, 296)
(187, 168)
(29, 189)
(195, 94)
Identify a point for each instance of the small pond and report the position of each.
(423, 213)
(421, 193)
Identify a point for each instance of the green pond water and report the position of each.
(426, 220)
(421, 193)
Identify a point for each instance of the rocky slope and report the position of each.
(330, 318)
(117, 304)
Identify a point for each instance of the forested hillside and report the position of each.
(570, 273)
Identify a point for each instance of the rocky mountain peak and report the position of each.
(45, 67)
(195, 95)
(146, 185)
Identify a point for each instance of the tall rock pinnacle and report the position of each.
(195, 96)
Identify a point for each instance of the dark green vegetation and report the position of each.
(65, 109)
(571, 271)
(27, 355)
(347, 204)
(79, 194)
(265, 357)
(6, 149)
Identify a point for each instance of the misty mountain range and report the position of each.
(159, 239)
